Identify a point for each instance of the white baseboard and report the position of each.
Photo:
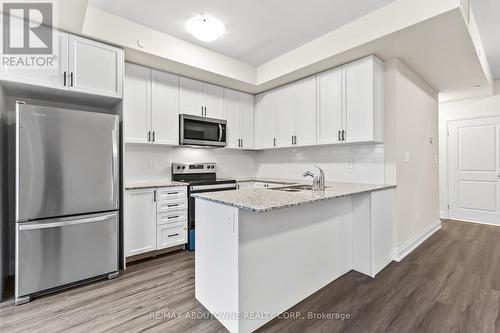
(411, 244)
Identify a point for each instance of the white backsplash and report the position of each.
(354, 163)
(153, 162)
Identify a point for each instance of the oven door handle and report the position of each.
(220, 132)
(207, 188)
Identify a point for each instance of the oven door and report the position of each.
(201, 189)
(202, 131)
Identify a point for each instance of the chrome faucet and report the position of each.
(318, 181)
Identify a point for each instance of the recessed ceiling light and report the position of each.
(206, 29)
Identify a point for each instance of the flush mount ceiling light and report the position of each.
(206, 29)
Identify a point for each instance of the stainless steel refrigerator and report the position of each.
(67, 190)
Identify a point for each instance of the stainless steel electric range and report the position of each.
(201, 177)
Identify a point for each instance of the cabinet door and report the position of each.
(52, 77)
(213, 101)
(95, 68)
(268, 121)
(359, 102)
(136, 104)
(139, 222)
(306, 112)
(232, 114)
(190, 97)
(286, 115)
(258, 119)
(246, 120)
(329, 106)
(165, 108)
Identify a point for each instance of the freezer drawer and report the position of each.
(52, 253)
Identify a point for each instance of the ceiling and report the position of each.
(487, 13)
(283, 25)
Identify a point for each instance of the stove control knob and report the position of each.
(178, 167)
(183, 167)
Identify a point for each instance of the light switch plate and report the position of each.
(407, 157)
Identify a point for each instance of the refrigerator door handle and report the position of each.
(27, 226)
(114, 175)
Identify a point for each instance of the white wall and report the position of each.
(472, 108)
(411, 122)
(367, 163)
(153, 162)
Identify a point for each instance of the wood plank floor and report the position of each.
(451, 283)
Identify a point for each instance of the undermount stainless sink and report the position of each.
(293, 188)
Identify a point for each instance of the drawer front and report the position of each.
(171, 205)
(171, 217)
(168, 236)
(169, 193)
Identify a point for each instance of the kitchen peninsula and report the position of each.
(262, 250)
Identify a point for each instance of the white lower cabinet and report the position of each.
(140, 222)
(155, 219)
(168, 235)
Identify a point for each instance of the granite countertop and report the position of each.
(264, 199)
(152, 184)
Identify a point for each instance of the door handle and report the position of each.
(35, 226)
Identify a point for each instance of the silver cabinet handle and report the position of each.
(173, 205)
(65, 78)
(173, 235)
(36, 226)
(241, 143)
(202, 110)
(172, 217)
(154, 136)
(339, 136)
(71, 79)
(343, 135)
(274, 142)
(149, 136)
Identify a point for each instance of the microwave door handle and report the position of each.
(220, 132)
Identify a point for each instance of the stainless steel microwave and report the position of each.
(201, 131)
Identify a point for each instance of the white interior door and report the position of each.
(474, 173)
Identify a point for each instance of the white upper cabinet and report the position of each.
(82, 65)
(231, 111)
(329, 85)
(305, 133)
(268, 120)
(213, 101)
(164, 108)
(150, 106)
(137, 104)
(200, 99)
(52, 77)
(239, 113)
(286, 114)
(94, 67)
(190, 97)
(296, 114)
(246, 107)
(364, 96)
